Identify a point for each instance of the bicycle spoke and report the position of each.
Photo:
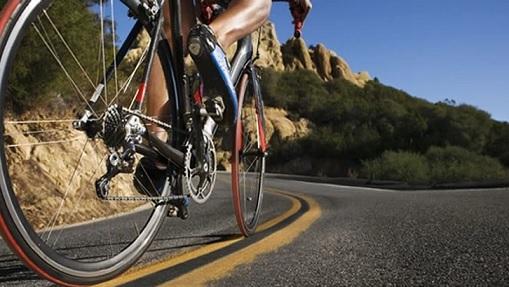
(44, 143)
(39, 122)
(113, 34)
(95, 174)
(250, 165)
(53, 221)
(127, 83)
(75, 86)
(40, 132)
(57, 31)
(248, 148)
(48, 39)
(91, 180)
(103, 52)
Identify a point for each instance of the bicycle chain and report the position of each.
(147, 118)
(165, 199)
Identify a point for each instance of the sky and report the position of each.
(432, 49)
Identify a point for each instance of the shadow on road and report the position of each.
(12, 269)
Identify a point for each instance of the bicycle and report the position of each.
(112, 123)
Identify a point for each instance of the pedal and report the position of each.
(172, 211)
(215, 108)
(181, 212)
(179, 209)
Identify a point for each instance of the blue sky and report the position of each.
(433, 49)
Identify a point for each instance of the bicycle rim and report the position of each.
(248, 160)
(54, 54)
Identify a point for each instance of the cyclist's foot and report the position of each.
(214, 69)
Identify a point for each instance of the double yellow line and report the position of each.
(224, 266)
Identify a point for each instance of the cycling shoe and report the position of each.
(214, 69)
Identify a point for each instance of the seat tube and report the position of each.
(184, 92)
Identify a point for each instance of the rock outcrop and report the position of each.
(270, 55)
(296, 55)
(280, 128)
(327, 64)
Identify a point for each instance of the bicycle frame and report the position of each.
(178, 83)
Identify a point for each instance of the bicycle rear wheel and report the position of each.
(248, 155)
(54, 54)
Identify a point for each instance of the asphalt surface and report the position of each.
(364, 237)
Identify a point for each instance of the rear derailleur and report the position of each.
(121, 132)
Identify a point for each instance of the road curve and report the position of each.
(353, 236)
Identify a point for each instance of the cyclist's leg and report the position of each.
(240, 19)
(207, 46)
(157, 95)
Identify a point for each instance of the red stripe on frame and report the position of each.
(140, 95)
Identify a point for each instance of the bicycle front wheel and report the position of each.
(54, 56)
(248, 155)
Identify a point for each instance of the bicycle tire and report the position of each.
(55, 260)
(248, 155)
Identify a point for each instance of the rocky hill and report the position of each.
(295, 54)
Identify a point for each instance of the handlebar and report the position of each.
(298, 21)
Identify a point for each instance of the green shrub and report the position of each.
(456, 164)
(439, 165)
(400, 166)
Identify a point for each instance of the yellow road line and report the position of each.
(170, 262)
(296, 205)
(225, 266)
(195, 253)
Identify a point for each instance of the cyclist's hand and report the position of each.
(300, 10)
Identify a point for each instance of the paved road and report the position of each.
(373, 238)
(359, 237)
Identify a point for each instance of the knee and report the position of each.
(263, 9)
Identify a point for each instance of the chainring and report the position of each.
(200, 181)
